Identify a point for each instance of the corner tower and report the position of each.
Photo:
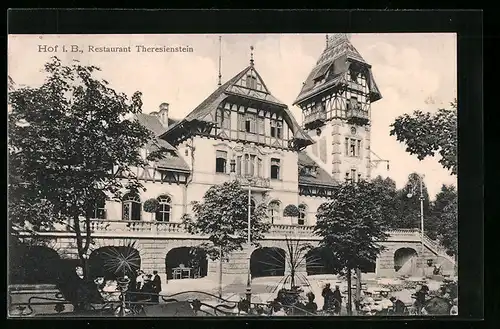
(336, 103)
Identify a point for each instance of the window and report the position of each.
(275, 168)
(353, 103)
(274, 211)
(251, 82)
(354, 75)
(358, 144)
(131, 207)
(99, 209)
(247, 164)
(250, 123)
(352, 148)
(262, 130)
(252, 165)
(259, 168)
(238, 165)
(302, 214)
(346, 146)
(220, 162)
(223, 118)
(163, 213)
(276, 128)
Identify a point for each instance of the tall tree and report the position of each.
(222, 216)
(391, 204)
(448, 227)
(425, 134)
(69, 143)
(444, 210)
(409, 206)
(352, 227)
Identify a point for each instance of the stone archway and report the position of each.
(405, 261)
(34, 265)
(111, 262)
(267, 261)
(320, 261)
(194, 258)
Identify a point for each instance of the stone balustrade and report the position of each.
(138, 227)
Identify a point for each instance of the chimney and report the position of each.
(163, 114)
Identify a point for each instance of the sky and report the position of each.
(413, 71)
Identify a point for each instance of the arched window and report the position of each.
(302, 214)
(164, 210)
(252, 205)
(131, 207)
(275, 168)
(274, 211)
(221, 161)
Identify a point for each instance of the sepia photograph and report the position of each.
(202, 175)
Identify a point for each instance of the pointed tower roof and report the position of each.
(335, 60)
(239, 87)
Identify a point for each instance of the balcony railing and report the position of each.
(114, 226)
(358, 115)
(314, 119)
(254, 181)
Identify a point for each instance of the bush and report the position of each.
(151, 205)
(291, 211)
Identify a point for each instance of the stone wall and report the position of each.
(153, 251)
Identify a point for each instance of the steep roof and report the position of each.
(331, 66)
(234, 86)
(321, 178)
(153, 124)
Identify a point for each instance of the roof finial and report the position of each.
(327, 40)
(251, 55)
(220, 56)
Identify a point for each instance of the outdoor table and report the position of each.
(181, 273)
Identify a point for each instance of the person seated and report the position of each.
(311, 306)
(398, 306)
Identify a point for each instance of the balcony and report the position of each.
(314, 120)
(358, 116)
(257, 182)
(141, 228)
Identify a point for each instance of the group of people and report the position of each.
(148, 286)
(332, 299)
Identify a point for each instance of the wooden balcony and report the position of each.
(314, 120)
(358, 116)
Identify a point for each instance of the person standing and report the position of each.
(156, 287)
(327, 294)
(337, 297)
(139, 280)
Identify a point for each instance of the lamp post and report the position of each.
(421, 198)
